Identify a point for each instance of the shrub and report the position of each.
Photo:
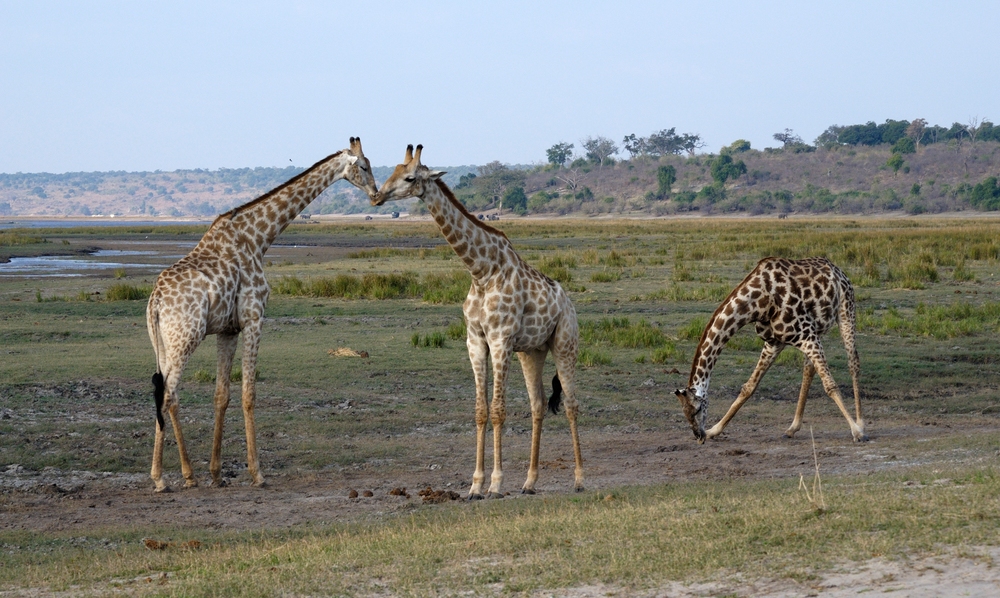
(127, 292)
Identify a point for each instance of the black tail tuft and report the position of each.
(556, 398)
(158, 390)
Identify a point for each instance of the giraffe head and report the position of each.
(359, 170)
(695, 410)
(409, 179)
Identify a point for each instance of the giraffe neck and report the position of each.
(727, 320)
(472, 240)
(264, 218)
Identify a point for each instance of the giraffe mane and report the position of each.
(461, 208)
(704, 333)
(232, 213)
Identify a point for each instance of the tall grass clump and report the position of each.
(347, 286)
(693, 329)
(606, 276)
(589, 358)
(937, 321)
(446, 288)
(127, 292)
(11, 238)
(433, 340)
(456, 331)
(676, 292)
(619, 332)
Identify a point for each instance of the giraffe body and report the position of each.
(511, 308)
(790, 302)
(219, 288)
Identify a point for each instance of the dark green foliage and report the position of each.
(559, 153)
(895, 162)
(986, 195)
(724, 168)
(515, 200)
(904, 145)
(665, 178)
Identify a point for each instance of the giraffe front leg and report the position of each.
(498, 414)
(226, 350)
(478, 356)
(767, 357)
(808, 372)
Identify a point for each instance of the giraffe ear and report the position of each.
(436, 174)
(681, 393)
(351, 159)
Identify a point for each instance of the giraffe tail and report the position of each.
(158, 391)
(556, 399)
(159, 388)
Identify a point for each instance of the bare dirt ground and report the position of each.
(85, 502)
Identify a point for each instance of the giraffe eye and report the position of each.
(410, 179)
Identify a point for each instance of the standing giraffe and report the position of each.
(219, 288)
(511, 308)
(791, 302)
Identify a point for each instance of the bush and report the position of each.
(127, 292)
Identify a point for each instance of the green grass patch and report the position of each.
(589, 358)
(620, 332)
(127, 292)
(13, 238)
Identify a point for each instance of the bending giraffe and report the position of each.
(511, 308)
(791, 302)
(219, 288)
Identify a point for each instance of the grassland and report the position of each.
(76, 419)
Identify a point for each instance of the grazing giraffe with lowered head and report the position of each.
(219, 288)
(511, 308)
(791, 302)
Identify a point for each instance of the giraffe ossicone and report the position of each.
(511, 308)
(790, 302)
(219, 288)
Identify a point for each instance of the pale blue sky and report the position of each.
(144, 86)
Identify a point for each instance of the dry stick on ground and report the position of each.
(816, 496)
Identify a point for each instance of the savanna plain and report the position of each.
(367, 440)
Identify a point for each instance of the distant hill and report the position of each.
(806, 179)
(181, 193)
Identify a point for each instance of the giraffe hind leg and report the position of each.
(565, 370)
(531, 365)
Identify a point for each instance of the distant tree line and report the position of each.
(917, 132)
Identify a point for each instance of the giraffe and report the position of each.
(791, 302)
(219, 288)
(511, 308)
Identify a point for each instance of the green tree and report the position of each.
(515, 200)
(665, 178)
(895, 162)
(599, 149)
(724, 168)
(559, 153)
(904, 145)
(737, 147)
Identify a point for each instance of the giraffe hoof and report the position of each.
(495, 495)
(190, 484)
(527, 490)
(259, 484)
(476, 497)
(219, 483)
(863, 438)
